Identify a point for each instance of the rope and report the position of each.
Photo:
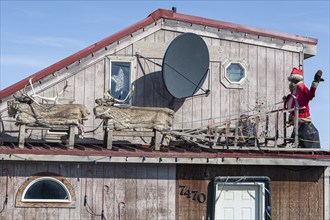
(311, 141)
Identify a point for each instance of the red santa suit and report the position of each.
(308, 135)
(302, 93)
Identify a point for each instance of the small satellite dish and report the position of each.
(185, 65)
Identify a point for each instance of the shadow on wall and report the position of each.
(150, 91)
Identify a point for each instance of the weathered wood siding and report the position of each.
(267, 73)
(297, 192)
(148, 191)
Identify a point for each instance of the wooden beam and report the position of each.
(158, 138)
(70, 140)
(108, 134)
(134, 133)
(21, 136)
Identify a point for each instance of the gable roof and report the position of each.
(153, 17)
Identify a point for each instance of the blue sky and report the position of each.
(36, 34)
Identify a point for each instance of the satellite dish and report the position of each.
(185, 65)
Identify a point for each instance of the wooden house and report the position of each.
(129, 178)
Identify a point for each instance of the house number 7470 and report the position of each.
(193, 194)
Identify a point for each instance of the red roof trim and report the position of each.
(156, 15)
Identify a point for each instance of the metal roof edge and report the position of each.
(163, 159)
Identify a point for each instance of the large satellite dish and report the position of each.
(185, 65)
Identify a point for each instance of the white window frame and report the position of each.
(124, 59)
(241, 80)
(46, 200)
(223, 74)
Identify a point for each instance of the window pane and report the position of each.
(46, 189)
(120, 79)
(235, 72)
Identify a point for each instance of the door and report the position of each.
(237, 201)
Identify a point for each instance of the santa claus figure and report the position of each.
(308, 134)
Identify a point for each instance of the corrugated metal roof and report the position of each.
(153, 17)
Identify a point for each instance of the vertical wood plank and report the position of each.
(42, 212)
(138, 96)
(252, 76)
(303, 198)
(70, 90)
(296, 60)
(98, 189)
(183, 180)
(160, 98)
(315, 193)
(19, 177)
(187, 113)
(149, 92)
(130, 192)
(294, 195)
(148, 97)
(234, 94)
(271, 88)
(281, 89)
(151, 194)
(276, 190)
(63, 170)
(7, 169)
(162, 192)
(98, 93)
(110, 208)
(216, 97)
(2, 184)
(148, 83)
(120, 188)
(141, 191)
(262, 73)
(76, 180)
(196, 112)
(288, 65)
(49, 93)
(31, 169)
(194, 184)
(171, 192)
(158, 84)
(79, 84)
(224, 92)
(244, 55)
(89, 99)
(86, 184)
(321, 185)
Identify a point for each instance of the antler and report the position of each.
(47, 99)
(130, 93)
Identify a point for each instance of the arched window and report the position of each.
(46, 189)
